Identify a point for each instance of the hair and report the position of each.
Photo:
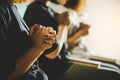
(75, 4)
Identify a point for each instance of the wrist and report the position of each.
(38, 47)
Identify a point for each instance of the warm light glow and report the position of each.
(104, 37)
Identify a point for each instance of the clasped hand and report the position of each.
(84, 28)
(42, 37)
(63, 19)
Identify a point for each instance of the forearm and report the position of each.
(73, 38)
(24, 63)
(62, 36)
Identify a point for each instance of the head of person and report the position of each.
(62, 2)
(76, 5)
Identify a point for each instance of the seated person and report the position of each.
(20, 47)
(52, 60)
(77, 29)
(54, 63)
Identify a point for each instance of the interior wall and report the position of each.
(104, 36)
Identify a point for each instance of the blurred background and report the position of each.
(104, 36)
(104, 18)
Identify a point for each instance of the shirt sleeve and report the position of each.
(7, 63)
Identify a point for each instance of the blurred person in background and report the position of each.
(77, 29)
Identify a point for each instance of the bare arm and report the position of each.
(63, 20)
(41, 42)
(82, 31)
(61, 39)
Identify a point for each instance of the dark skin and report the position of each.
(63, 18)
(84, 27)
(83, 30)
(42, 39)
(63, 21)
